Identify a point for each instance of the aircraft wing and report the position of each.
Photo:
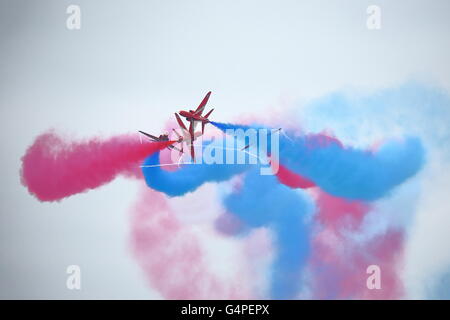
(189, 137)
(202, 104)
(179, 136)
(184, 130)
(195, 124)
(180, 122)
(175, 148)
(191, 130)
(150, 136)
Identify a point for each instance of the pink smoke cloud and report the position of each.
(337, 212)
(338, 264)
(173, 258)
(53, 168)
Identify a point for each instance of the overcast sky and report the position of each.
(133, 63)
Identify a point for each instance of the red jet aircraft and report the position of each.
(194, 117)
(165, 137)
(188, 135)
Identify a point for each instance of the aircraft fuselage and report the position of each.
(191, 115)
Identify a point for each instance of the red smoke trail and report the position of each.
(53, 169)
(335, 212)
(338, 266)
(172, 256)
(293, 180)
(339, 263)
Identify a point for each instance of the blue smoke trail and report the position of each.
(440, 289)
(188, 177)
(262, 201)
(414, 108)
(347, 172)
(355, 174)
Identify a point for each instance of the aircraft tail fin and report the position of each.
(210, 111)
(204, 122)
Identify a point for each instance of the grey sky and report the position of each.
(135, 62)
